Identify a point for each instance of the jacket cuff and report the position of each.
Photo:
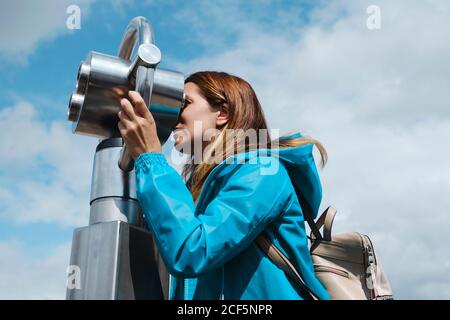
(148, 159)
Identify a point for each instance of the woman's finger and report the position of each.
(123, 116)
(139, 105)
(121, 128)
(128, 108)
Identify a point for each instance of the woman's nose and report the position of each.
(179, 121)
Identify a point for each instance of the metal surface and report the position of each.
(138, 30)
(116, 256)
(144, 85)
(104, 79)
(143, 68)
(107, 178)
(116, 209)
(116, 261)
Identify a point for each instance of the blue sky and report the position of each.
(50, 68)
(48, 75)
(377, 100)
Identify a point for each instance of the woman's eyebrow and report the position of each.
(187, 96)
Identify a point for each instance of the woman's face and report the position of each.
(196, 117)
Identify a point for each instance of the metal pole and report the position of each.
(116, 255)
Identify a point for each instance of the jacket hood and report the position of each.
(300, 164)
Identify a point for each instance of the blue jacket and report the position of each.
(209, 248)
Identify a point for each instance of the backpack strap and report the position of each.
(325, 220)
(279, 259)
(308, 216)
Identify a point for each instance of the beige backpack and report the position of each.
(346, 264)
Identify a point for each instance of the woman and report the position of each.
(236, 189)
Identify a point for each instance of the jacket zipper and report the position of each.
(223, 280)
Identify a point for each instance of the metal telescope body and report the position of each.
(115, 254)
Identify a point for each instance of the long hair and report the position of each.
(245, 114)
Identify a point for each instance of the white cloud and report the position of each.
(379, 102)
(47, 180)
(214, 26)
(23, 275)
(25, 23)
(49, 169)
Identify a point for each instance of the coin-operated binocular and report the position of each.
(116, 257)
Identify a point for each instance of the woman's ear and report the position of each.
(223, 115)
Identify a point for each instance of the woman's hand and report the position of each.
(137, 126)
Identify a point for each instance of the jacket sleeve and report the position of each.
(192, 244)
